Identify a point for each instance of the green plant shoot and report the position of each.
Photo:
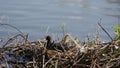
(117, 32)
(63, 28)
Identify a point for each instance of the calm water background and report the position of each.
(36, 17)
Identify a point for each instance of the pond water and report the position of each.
(40, 17)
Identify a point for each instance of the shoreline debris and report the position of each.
(19, 52)
(49, 54)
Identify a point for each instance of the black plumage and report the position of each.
(51, 45)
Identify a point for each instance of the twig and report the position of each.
(12, 27)
(49, 60)
(79, 59)
(34, 63)
(7, 65)
(99, 23)
(11, 39)
(56, 64)
(43, 66)
(93, 63)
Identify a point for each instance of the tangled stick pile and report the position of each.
(67, 53)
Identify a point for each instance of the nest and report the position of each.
(72, 54)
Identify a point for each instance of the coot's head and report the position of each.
(48, 38)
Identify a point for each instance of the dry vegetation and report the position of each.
(67, 53)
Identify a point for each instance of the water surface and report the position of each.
(38, 17)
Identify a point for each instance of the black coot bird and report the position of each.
(51, 45)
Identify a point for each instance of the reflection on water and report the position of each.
(36, 17)
(114, 1)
